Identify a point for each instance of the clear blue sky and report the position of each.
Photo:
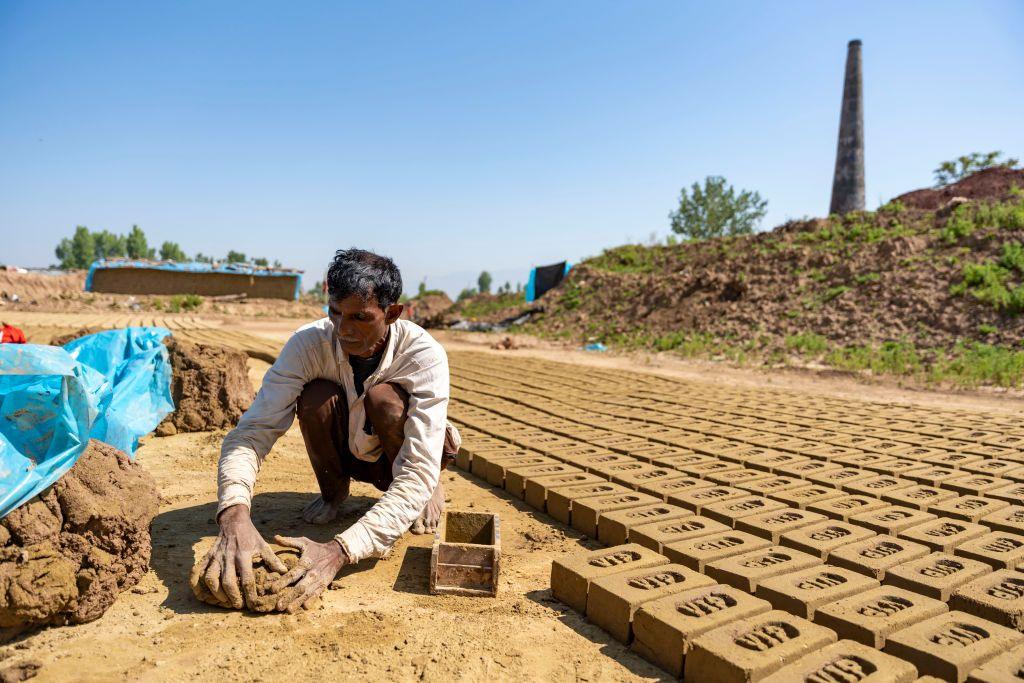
(461, 136)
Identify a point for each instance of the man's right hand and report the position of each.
(228, 566)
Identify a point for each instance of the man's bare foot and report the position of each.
(431, 515)
(319, 511)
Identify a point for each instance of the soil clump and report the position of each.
(429, 310)
(265, 599)
(67, 553)
(994, 184)
(210, 387)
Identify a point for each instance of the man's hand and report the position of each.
(317, 567)
(227, 568)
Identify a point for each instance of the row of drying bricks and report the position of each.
(757, 546)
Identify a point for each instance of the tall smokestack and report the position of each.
(848, 181)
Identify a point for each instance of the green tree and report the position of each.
(203, 258)
(136, 244)
(235, 257)
(466, 293)
(77, 252)
(716, 210)
(961, 167)
(108, 245)
(483, 283)
(261, 262)
(170, 251)
(422, 288)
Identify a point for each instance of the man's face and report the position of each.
(360, 324)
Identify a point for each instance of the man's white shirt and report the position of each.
(413, 360)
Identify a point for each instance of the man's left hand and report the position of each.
(317, 567)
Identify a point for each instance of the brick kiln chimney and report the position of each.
(848, 181)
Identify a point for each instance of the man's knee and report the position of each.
(317, 400)
(386, 404)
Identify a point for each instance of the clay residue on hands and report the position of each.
(265, 598)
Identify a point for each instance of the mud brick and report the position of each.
(844, 507)
(496, 469)
(696, 553)
(516, 477)
(996, 468)
(862, 460)
(968, 508)
(898, 467)
(614, 599)
(998, 549)
(872, 557)
(657, 534)
(649, 453)
(974, 484)
(891, 520)
(998, 597)
(671, 487)
(870, 617)
(773, 484)
(1012, 493)
(802, 470)
(613, 469)
(664, 629)
(805, 496)
(674, 462)
(737, 477)
(536, 492)
(464, 459)
(648, 477)
(561, 498)
(944, 534)
(1006, 667)
(571, 575)
(572, 453)
(1009, 519)
(729, 511)
(919, 497)
(613, 527)
(746, 571)
(585, 511)
(821, 539)
(844, 476)
(802, 592)
(950, 645)
(751, 649)
(696, 500)
(877, 486)
(845, 662)
(951, 459)
(481, 459)
(937, 575)
(591, 462)
(768, 460)
(705, 469)
(771, 525)
(827, 451)
(933, 475)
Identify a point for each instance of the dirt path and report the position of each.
(380, 621)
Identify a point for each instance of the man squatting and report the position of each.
(371, 394)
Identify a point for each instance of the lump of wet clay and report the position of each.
(66, 554)
(210, 387)
(265, 601)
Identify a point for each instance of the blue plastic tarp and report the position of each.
(113, 386)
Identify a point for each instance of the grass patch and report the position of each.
(991, 282)
(976, 364)
(891, 358)
(482, 306)
(184, 302)
(807, 343)
(834, 293)
(629, 258)
(866, 278)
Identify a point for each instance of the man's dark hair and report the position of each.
(365, 274)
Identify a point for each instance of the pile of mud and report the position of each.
(862, 280)
(992, 184)
(67, 553)
(210, 387)
(265, 598)
(429, 310)
(29, 287)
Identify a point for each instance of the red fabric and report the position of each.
(12, 335)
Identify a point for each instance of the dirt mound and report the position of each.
(266, 599)
(62, 339)
(210, 387)
(34, 286)
(428, 310)
(66, 554)
(993, 184)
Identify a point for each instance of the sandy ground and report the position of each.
(380, 620)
